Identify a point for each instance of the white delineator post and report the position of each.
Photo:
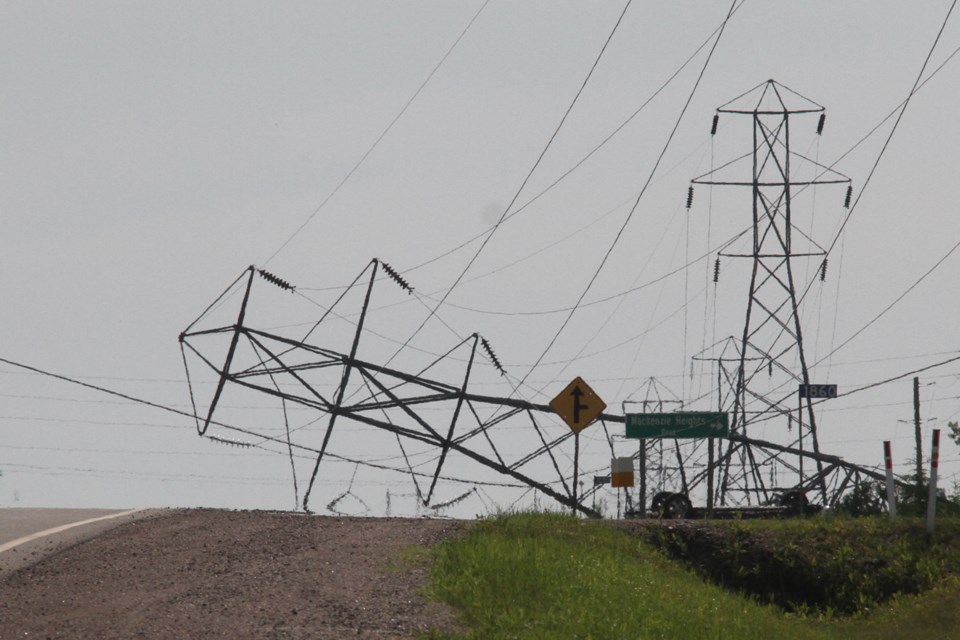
(891, 489)
(934, 463)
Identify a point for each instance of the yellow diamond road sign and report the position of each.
(578, 405)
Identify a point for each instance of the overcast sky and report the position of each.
(152, 151)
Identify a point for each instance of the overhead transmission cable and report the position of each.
(893, 129)
(892, 304)
(609, 298)
(523, 185)
(878, 316)
(248, 432)
(568, 172)
(382, 135)
(584, 159)
(633, 209)
(918, 82)
(643, 191)
(879, 383)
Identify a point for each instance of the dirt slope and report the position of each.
(210, 573)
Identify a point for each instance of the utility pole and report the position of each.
(916, 428)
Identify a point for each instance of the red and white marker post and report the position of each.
(891, 488)
(934, 464)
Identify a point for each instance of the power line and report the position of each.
(639, 197)
(523, 185)
(584, 159)
(193, 416)
(382, 135)
(893, 130)
(892, 304)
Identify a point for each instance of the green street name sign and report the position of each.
(699, 424)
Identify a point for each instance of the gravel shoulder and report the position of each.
(232, 574)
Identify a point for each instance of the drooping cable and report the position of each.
(918, 82)
(523, 185)
(893, 129)
(633, 289)
(633, 210)
(590, 154)
(382, 135)
(894, 303)
(242, 430)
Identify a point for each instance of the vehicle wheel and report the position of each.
(677, 507)
(659, 502)
(671, 506)
(795, 502)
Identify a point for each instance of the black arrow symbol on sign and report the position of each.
(577, 406)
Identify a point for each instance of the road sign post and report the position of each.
(689, 424)
(578, 405)
(576, 469)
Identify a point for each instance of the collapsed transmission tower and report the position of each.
(289, 388)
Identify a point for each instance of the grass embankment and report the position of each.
(552, 576)
(821, 565)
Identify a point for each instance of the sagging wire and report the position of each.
(382, 135)
(242, 430)
(523, 185)
(636, 204)
(592, 152)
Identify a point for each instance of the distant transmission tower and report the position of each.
(771, 351)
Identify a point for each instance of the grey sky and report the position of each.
(151, 151)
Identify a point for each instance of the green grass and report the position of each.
(552, 576)
(840, 565)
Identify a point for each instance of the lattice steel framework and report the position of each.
(772, 361)
(291, 367)
(505, 435)
(433, 404)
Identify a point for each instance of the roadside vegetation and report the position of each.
(542, 575)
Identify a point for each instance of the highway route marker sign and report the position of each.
(578, 405)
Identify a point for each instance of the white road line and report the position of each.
(64, 527)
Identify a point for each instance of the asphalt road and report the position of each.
(27, 535)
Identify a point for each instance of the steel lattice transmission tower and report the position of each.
(772, 362)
